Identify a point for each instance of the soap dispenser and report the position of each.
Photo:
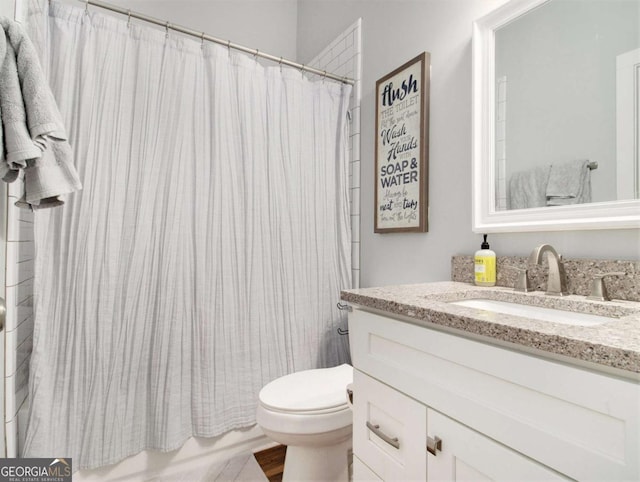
(485, 265)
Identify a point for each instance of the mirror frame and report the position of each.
(486, 219)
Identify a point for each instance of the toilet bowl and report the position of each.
(308, 412)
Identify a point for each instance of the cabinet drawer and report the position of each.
(581, 423)
(380, 415)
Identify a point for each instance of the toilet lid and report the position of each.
(309, 390)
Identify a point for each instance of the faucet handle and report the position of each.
(522, 281)
(599, 289)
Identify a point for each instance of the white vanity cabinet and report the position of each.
(391, 439)
(500, 414)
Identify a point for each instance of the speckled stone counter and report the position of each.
(614, 344)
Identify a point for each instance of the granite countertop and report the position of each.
(614, 344)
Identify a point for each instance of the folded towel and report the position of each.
(569, 183)
(33, 128)
(527, 189)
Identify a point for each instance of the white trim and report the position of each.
(20, 11)
(628, 124)
(486, 219)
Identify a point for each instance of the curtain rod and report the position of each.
(227, 43)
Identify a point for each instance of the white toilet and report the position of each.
(308, 412)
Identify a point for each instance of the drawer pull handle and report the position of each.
(433, 445)
(393, 441)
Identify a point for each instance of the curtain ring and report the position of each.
(202, 41)
(86, 7)
(255, 55)
(128, 18)
(166, 28)
(280, 64)
(324, 76)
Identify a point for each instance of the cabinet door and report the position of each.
(362, 473)
(467, 455)
(389, 430)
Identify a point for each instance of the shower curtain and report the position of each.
(206, 253)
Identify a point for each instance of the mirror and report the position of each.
(556, 124)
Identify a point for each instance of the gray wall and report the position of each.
(268, 25)
(394, 32)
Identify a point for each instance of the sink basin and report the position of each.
(535, 312)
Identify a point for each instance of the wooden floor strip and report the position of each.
(271, 461)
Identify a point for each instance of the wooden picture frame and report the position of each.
(402, 148)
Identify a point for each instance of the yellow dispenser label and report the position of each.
(485, 269)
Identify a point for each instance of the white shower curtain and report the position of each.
(206, 253)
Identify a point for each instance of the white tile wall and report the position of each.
(344, 58)
(19, 324)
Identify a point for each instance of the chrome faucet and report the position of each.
(557, 279)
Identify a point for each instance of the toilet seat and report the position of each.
(307, 402)
(308, 392)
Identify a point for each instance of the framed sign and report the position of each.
(402, 148)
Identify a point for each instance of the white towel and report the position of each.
(43, 116)
(8, 171)
(19, 147)
(33, 129)
(46, 179)
(527, 189)
(569, 183)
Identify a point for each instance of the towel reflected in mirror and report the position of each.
(558, 184)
